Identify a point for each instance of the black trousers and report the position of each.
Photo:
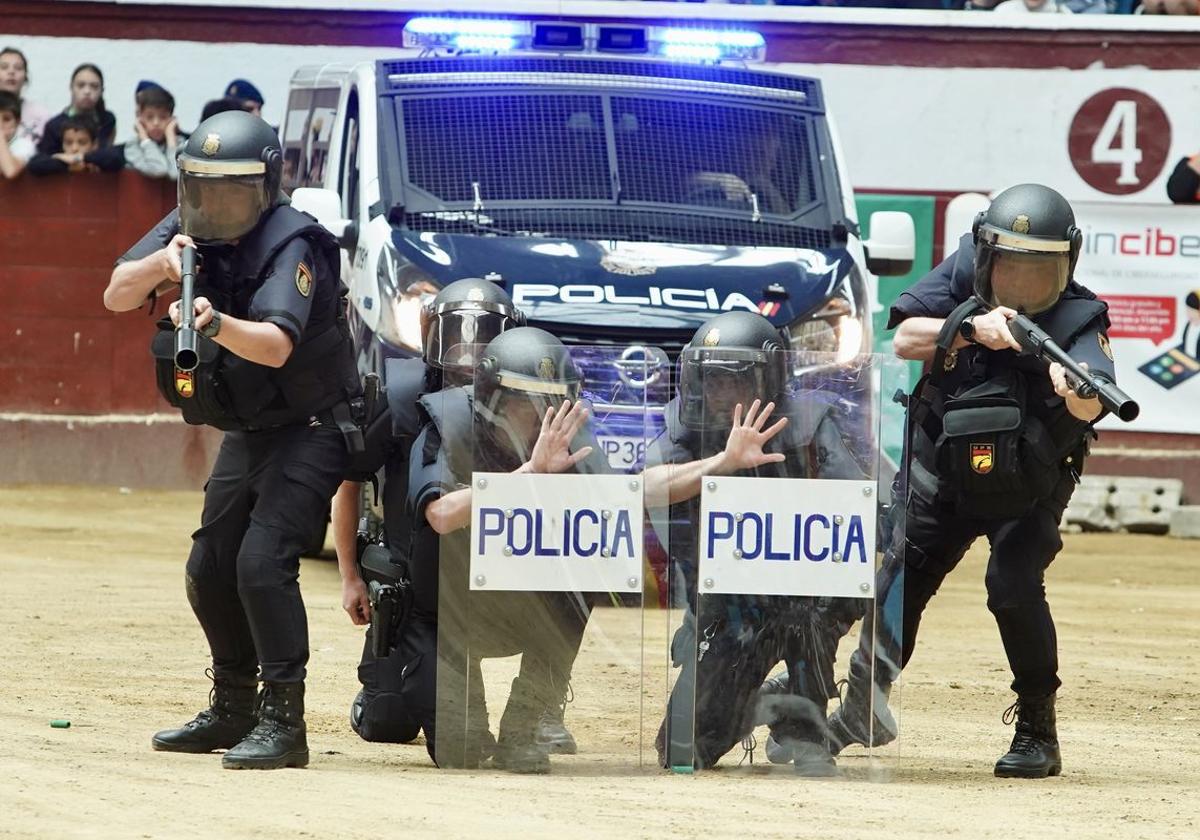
(727, 652)
(929, 544)
(266, 491)
(400, 690)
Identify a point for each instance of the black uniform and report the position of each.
(391, 707)
(936, 534)
(545, 628)
(743, 637)
(283, 454)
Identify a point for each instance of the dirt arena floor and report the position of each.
(96, 629)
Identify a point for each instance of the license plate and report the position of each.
(623, 452)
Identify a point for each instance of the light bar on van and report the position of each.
(496, 35)
(470, 34)
(688, 44)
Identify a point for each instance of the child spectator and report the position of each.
(14, 76)
(152, 152)
(81, 150)
(87, 100)
(15, 150)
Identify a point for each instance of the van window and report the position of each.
(349, 180)
(310, 119)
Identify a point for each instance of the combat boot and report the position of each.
(227, 720)
(852, 722)
(767, 712)
(1034, 752)
(517, 748)
(279, 739)
(552, 735)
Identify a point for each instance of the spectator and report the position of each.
(1171, 7)
(251, 99)
(87, 100)
(217, 106)
(14, 76)
(152, 151)
(1079, 7)
(1183, 187)
(79, 150)
(15, 150)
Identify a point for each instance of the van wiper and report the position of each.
(445, 219)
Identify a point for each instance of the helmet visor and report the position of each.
(513, 418)
(220, 208)
(1026, 282)
(713, 383)
(455, 337)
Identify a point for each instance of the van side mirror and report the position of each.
(893, 243)
(326, 207)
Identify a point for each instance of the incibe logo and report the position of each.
(1148, 242)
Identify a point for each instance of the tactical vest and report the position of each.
(229, 392)
(990, 438)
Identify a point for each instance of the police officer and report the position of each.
(276, 373)
(397, 697)
(734, 416)
(996, 446)
(525, 416)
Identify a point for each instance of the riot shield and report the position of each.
(540, 629)
(780, 530)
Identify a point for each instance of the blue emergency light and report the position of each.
(461, 34)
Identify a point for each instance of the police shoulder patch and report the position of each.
(1105, 345)
(303, 279)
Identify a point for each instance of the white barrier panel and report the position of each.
(556, 533)
(787, 536)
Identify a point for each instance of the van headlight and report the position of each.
(402, 294)
(837, 328)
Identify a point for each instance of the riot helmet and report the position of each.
(1026, 247)
(229, 176)
(461, 320)
(733, 358)
(522, 374)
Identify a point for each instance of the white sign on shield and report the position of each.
(787, 536)
(556, 533)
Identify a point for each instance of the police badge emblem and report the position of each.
(184, 384)
(211, 145)
(546, 368)
(475, 295)
(982, 457)
(1021, 224)
(303, 279)
(712, 337)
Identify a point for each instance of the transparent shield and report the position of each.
(774, 518)
(541, 643)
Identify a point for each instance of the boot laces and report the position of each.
(1010, 714)
(749, 745)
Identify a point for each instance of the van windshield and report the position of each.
(613, 165)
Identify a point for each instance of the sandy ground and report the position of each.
(96, 629)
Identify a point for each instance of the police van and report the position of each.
(625, 183)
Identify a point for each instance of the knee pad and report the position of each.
(382, 718)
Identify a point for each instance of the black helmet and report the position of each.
(733, 358)
(229, 174)
(461, 319)
(1026, 246)
(523, 372)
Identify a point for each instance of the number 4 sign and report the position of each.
(1119, 141)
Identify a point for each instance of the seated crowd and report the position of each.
(83, 136)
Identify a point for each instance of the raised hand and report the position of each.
(552, 452)
(744, 447)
